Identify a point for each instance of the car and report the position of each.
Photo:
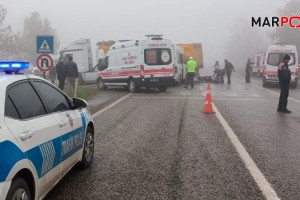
(43, 134)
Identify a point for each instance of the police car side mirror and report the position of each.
(79, 103)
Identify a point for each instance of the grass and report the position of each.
(85, 92)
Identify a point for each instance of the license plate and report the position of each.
(154, 80)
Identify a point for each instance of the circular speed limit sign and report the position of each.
(44, 62)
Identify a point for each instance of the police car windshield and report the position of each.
(275, 58)
(158, 56)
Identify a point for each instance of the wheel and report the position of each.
(18, 190)
(295, 84)
(264, 82)
(80, 80)
(132, 86)
(100, 84)
(88, 150)
(162, 88)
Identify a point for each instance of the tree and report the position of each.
(286, 34)
(9, 41)
(243, 42)
(34, 26)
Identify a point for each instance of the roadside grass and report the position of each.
(85, 92)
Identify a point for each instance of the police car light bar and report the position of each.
(13, 66)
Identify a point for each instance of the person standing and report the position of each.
(61, 73)
(228, 70)
(248, 71)
(71, 74)
(191, 67)
(284, 76)
(52, 74)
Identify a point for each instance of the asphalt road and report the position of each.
(161, 146)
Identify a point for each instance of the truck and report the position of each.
(193, 50)
(274, 56)
(81, 52)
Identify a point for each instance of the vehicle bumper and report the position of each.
(276, 80)
(4, 187)
(156, 81)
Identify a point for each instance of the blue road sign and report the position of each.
(44, 44)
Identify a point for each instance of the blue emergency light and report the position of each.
(13, 66)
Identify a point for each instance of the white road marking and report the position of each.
(111, 105)
(259, 178)
(276, 93)
(199, 98)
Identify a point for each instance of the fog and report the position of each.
(190, 21)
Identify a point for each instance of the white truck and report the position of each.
(81, 52)
(274, 56)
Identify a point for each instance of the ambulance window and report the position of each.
(10, 109)
(55, 100)
(158, 56)
(26, 101)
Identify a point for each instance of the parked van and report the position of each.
(180, 65)
(139, 63)
(273, 57)
(81, 52)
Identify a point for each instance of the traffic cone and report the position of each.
(208, 109)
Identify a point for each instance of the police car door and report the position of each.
(36, 131)
(69, 120)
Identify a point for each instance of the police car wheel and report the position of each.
(18, 190)
(88, 150)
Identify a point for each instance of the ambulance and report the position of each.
(257, 64)
(139, 63)
(274, 55)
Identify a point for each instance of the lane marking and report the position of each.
(257, 175)
(276, 93)
(111, 105)
(201, 98)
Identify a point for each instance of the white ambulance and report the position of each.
(273, 56)
(139, 63)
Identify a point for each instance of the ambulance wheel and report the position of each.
(162, 88)
(100, 84)
(88, 150)
(132, 86)
(18, 190)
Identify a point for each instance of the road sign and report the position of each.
(44, 44)
(44, 62)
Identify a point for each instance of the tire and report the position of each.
(100, 84)
(132, 87)
(18, 190)
(295, 84)
(88, 150)
(162, 88)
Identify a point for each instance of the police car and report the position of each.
(43, 134)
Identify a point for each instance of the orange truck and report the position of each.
(194, 50)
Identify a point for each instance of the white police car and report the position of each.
(43, 134)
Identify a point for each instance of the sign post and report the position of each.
(44, 46)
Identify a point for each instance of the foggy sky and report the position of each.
(183, 21)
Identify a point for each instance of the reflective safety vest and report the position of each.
(191, 66)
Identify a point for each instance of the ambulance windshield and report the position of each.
(158, 56)
(275, 58)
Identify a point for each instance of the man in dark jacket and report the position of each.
(228, 70)
(71, 71)
(61, 73)
(284, 76)
(248, 71)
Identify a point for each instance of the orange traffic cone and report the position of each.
(208, 109)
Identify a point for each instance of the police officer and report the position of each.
(284, 76)
(228, 70)
(191, 67)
